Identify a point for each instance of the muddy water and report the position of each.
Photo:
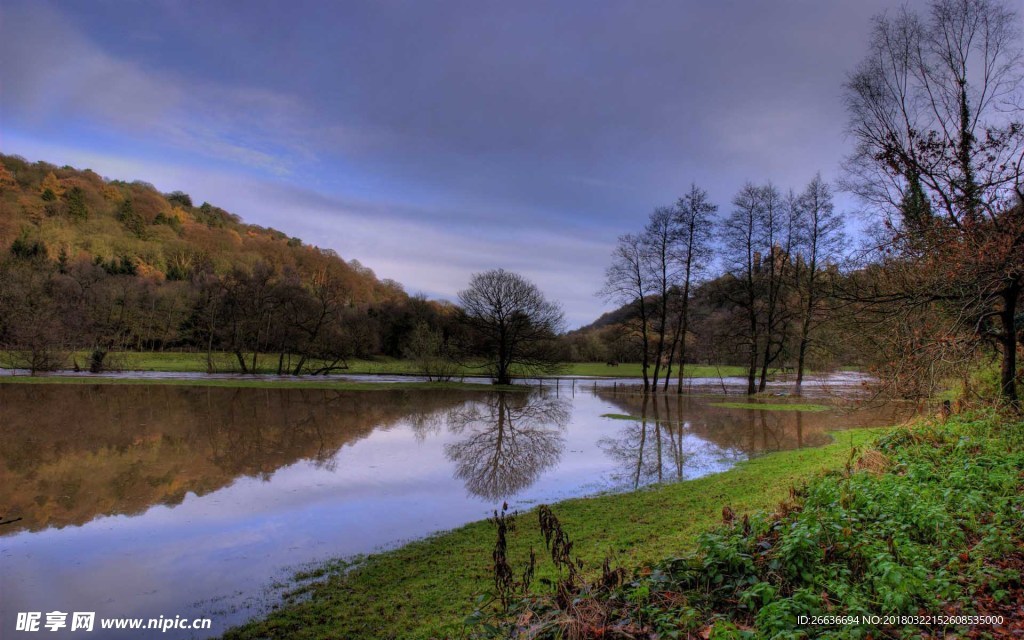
(191, 501)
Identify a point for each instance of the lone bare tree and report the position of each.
(514, 324)
(936, 112)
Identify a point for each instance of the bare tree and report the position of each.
(819, 239)
(758, 241)
(776, 226)
(514, 323)
(660, 240)
(627, 282)
(936, 112)
(741, 237)
(692, 217)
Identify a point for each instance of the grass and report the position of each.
(260, 384)
(925, 522)
(425, 589)
(188, 362)
(770, 406)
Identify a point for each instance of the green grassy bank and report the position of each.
(919, 535)
(427, 588)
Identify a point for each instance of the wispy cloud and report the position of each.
(62, 76)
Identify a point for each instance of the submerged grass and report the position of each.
(770, 406)
(426, 589)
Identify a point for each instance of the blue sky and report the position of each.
(429, 139)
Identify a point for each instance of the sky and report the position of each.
(435, 139)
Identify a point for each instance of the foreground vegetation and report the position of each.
(924, 522)
(427, 588)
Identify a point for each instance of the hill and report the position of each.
(80, 214)
(97, 265)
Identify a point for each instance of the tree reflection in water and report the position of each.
(650, 449)
(510, 439)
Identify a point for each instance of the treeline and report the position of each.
(778, 258)
(100, 266)
(934, 111)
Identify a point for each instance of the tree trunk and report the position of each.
(671, 356)
(752, 371)
(801, 355)
(682, 347)
(1008, 372)
(764, 368)
(805, 327)
(662, 322)
(209, 353)
(645, 344)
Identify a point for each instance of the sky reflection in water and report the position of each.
(142, 501)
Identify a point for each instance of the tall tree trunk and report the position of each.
(209, 352)
(805, 327)
(752, 371)
(682, 348)
(645, 344)
(1008, 372)
(662, 322)
(241, 361)
(800, 358)
(671, 357)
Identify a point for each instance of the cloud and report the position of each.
(61, 77)
(433, 140)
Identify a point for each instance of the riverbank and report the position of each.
(427, 588)
(919, 535)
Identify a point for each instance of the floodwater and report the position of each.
(142, 501)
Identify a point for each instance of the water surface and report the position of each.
(192, 501)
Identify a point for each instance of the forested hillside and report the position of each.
(97, 265)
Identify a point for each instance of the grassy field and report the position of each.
(427, 588)
(183, 362)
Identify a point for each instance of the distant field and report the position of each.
(174, 361)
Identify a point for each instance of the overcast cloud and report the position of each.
(430, 140)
